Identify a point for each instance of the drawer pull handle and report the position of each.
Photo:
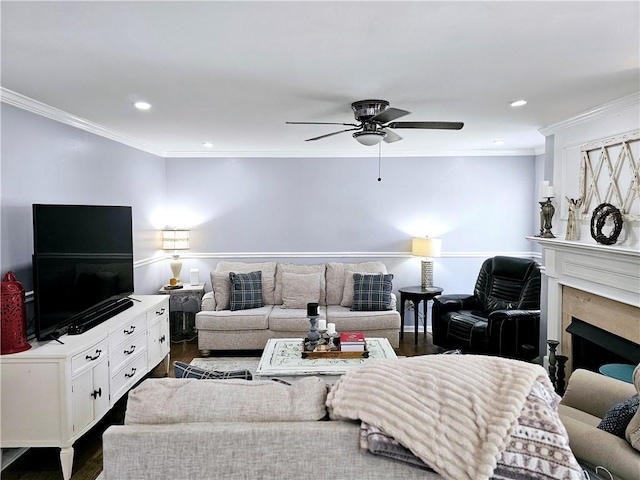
(90, 358)
(129, 352)
(129, 375)
(97, 393)
(129, 332)
(160, 312)
(163, 339)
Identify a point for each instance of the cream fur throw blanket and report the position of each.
(455, 412)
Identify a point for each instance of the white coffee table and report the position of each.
(282, 358)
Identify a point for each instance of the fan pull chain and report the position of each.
(379, 148)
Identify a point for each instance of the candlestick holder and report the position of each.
(553, 345)
(313, 335)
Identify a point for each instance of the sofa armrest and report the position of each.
(514, 333)
(455, 302)
(594, 393)
(208, 302)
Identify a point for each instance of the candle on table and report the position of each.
(331, 328)
(312, 309)
(322, 324)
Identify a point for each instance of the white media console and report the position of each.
(53, 393)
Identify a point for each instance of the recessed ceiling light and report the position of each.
(518, 103)
(207, 144)
(498, 142)
(142, 105)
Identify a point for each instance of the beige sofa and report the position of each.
(588, 398)
(286, 288)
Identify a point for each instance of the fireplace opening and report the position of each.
(593, 347)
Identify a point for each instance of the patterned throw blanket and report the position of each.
(459, 414)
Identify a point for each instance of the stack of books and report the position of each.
(352, 342)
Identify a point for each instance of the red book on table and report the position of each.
(353, 338)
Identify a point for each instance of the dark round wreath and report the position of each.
(598, 219)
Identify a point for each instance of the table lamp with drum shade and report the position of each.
(428, 248)
(175, 240)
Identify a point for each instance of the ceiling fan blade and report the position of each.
(388, 114)
(428, 125)
(390, 136)
(330, 134)
(323, 123)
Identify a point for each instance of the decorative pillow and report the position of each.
(335, 277)
(283, 268)
(221, 286)
(246, 290)
(268, 270)
(371, 292)
(298, 289)
(184, 370)
(187, 400)
(347, 293)
(617, 419)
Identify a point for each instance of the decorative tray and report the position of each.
(332, 353)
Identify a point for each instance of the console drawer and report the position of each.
(133, 371)
(127, 330)
(119, 355)
(89, 356)
(160, 311)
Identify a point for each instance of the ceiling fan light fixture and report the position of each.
(369, 138)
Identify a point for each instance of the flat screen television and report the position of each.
(82, 266)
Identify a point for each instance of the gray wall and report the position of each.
(295, 210)
(44, 161)
(334, 209)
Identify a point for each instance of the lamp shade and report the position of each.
(175, 239)
(426, 247)
(369, 138)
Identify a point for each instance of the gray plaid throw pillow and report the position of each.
(184, 370)
(371, 292)
(246, 290)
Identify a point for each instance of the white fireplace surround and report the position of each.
(612, 272)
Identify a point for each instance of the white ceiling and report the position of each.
(233, 72)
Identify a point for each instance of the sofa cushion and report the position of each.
(298, 268)
(246, 290)
(292, 319)
(184, 370)
(347, 320)
(221, 286)
(632, 433)
(371, 292)
(299, 289)
(180, 400)
(335, 277)
(252, 319)
(268, 270)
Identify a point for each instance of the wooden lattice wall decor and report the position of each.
(610, 173)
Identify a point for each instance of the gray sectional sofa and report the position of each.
(286, 289)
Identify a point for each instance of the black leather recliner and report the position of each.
(502, 317)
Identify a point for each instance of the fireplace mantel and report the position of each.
(608, 271)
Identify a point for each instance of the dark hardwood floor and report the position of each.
(44, 463)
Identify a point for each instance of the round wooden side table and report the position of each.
(417, 295)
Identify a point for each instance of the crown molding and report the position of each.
(608, 108)
(18, 100)
(363, 154)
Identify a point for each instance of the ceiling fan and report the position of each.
(376, 120)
